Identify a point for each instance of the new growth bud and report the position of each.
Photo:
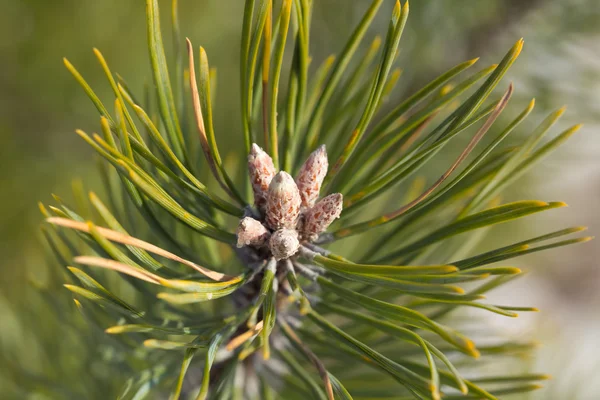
(322, 215)
(251, 232)
(284, 244)
(283, 202)
(262, 171)
(311, 176)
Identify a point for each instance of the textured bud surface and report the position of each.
(262, 171)
(284, 243)
(251, 232)
(322, 215)
(311, 176)
(283, 202)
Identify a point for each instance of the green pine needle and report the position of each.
(198, 310)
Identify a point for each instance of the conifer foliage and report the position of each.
(321, 261)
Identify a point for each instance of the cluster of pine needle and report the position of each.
(309, 306)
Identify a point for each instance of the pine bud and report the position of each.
(284, 243)
(318, 218)
(262, 171)
(283, 202)
(251, 232)
(311, 176)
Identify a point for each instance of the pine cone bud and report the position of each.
(311, 176)
(262, 171)
(284, 244)
(318, 218)
(283, 202)
(251, 232)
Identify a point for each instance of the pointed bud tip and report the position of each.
(282, 177)
(319, 153)
(255, 149)
(337, 197)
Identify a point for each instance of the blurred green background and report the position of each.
(41, 105)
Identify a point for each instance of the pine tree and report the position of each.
(318, 260)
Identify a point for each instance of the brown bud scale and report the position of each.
(284, 243)
(262, 171)
(318, 218)
(311, 176)
(283, 202)
(251, 232)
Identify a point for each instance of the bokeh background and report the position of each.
(41, 105)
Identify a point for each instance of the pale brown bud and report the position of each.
(251, 232)
(284, 243)
(311, 176)
(318, 218)
(283, 202)
(262, 171)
